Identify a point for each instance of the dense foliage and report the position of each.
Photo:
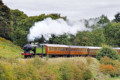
(5, 21)
(15, 25)
(107, 51)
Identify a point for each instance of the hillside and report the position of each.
(8, 49)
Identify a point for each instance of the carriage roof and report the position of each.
(56, 45)
(71, 46)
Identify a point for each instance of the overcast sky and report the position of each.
(73, 9)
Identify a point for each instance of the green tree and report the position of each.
(20, 37)
(103, 19)
(40, 40)
(98, 38)
(83, 38)
(96, 23)
(61, 39)
(117, 17)
(112, 34)
(5, 21)
(17, 16)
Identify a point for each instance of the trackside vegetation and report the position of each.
(75, 68)
(109, 66)
(109, 52)
(51, 69)
(9, 50)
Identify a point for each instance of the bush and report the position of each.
(66, 71)
(108, 69)
(107, 51)
(89, 60)
(70, 70)
(87, 74)
(106, 60)
(115, 63)
(37, 62)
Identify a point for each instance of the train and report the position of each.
(62, 50)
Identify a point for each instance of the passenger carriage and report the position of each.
(64, 50)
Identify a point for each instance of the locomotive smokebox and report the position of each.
(27, 48)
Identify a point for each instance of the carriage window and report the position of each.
(75, 49)
(72, 49)
(54, 49)
(58, 49)
(85, 49)
(81, 49)
(78, 49)
(48, 48)
(62, 49)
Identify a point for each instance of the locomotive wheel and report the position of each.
(25, 56)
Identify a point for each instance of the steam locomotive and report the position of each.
(33, 49)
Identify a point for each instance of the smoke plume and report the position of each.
(49, 26)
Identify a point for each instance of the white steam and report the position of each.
(49, 26)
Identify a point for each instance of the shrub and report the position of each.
(107, 51)
(89, 60)
(87, 74)
(66, 71)
(70, 70)
(37, 62)
(106, 60)
(108, 69)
